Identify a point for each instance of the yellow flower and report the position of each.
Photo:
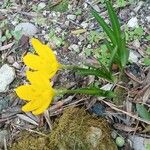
(44, 60)
(39, 93)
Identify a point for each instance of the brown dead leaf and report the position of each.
(2, 17)
(24, 42)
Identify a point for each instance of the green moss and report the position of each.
(74, 130)
(29, 141)
(121, 95)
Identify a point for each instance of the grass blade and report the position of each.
(121, 42)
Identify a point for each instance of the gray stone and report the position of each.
(139, 143)
(7, 75)
(26, 28)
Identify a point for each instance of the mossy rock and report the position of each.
(74, 130)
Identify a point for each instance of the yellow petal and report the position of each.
(37, 79)
(25, 92)
(32, 105)
(33, 61)
(43, 50)
(43, 107)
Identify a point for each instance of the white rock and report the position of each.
(148, 18)
(89, 46)
(26, 28)
(107, 87)
(134, 56)
(41, 5)
(7, 75)
(71, 17)
(84, 25)
(97, 8)
(67, 23)
(74, 47)
(133, 22)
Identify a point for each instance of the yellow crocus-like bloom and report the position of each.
(39, 93)
(44, 60)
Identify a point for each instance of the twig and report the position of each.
(5, 144)
(0, 37)
(30, 130)
(129, 114)
(5, 47)
(47, 117)
(133, 77)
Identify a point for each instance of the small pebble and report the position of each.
(84, 25)
(133, 22)
(74, 47)
(71, 17)
(26, 28)
(120, 141)
(7, 75)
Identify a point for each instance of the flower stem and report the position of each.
(90, 91)
(70, 67)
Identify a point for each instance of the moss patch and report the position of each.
(74, 130)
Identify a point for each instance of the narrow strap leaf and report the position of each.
(114, 20)
(124, 52)
(104, 25)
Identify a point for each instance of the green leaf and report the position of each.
(3, 38)
(143, 112)
(147, 61)
(104, 25)
(124, 52)
(148, 37)
(99, 72)
(112, 57)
